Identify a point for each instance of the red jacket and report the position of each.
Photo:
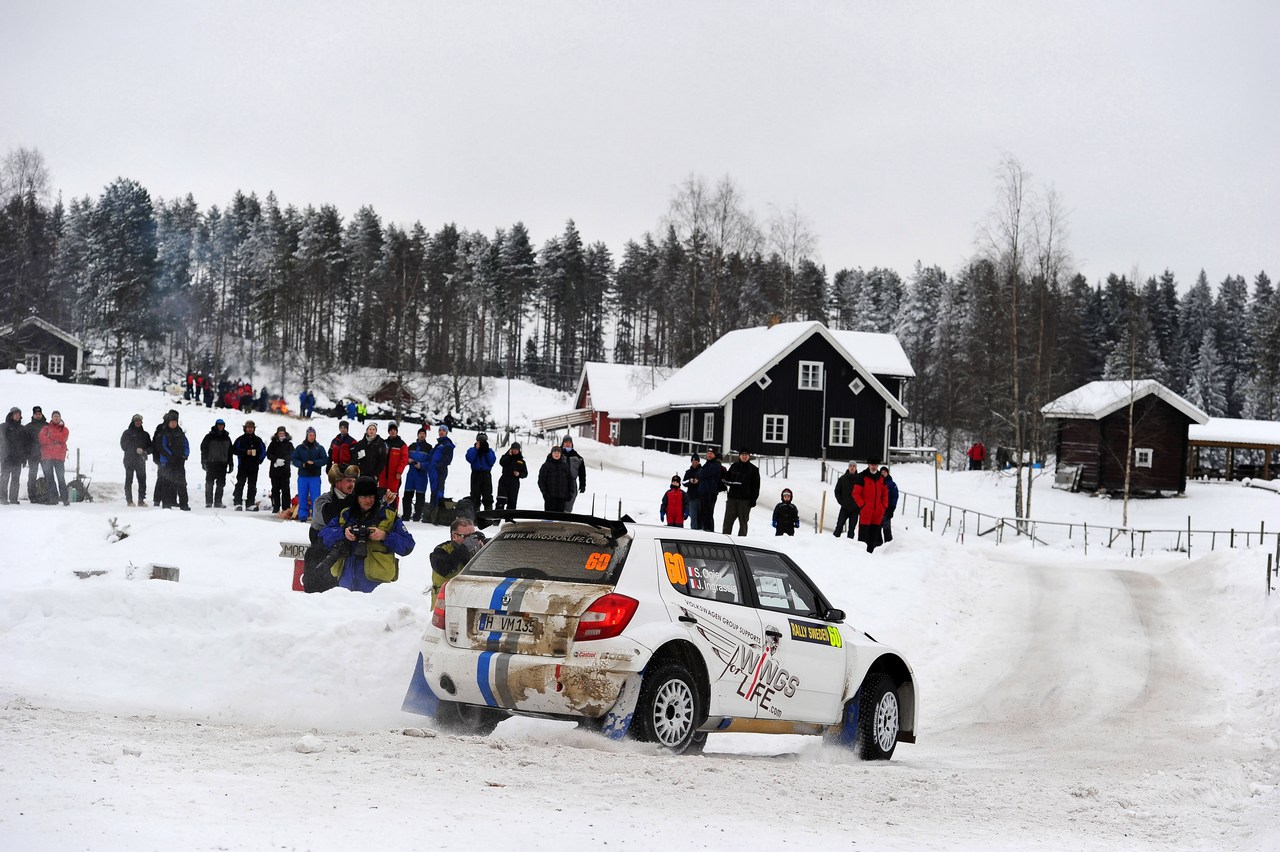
(340, 449)
(53, 442)
(672, 507)
(977, 452)
(872, 495)
(397, 461)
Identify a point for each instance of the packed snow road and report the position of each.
(1068, 704)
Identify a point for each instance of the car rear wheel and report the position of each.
(467, 718)
(878, 718)
(669, 709)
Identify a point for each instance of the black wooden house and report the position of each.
(797, 387)
(43, 348)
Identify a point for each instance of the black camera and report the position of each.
(360, 531)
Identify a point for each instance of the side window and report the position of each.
(703, 571)
(779, 587)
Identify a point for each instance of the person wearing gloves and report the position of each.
(786, 517)
(450, 557)
(438, 471)
(216, 460)
(250, 451)
(514, 469)
(672, 508)
(416, 481)
(555, 481)
(53, 457)
(482, 458)
(135, 442)
(577, 466)
(310, 459)
(872, 496)
(397, 459)
(374, 537)
(743, 481)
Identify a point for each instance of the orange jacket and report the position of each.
(53, 442)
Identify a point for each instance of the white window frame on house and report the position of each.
(586, 402)
(613, 432)
(32, 360)
(764, 381)
(857, 386)
(1143, 456)
(840, 432)
(686, 426)
(56, 363)
(775, 428)
(810, 375)
(709, 426)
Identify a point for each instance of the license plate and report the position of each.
(492, 622)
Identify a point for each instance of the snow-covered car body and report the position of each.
(570, 616)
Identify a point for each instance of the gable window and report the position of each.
(613, 432)
(1142, 456)
(56, 365)
(708, 427)
(810, 375)
(32, 360)
(775, 429)
(840, 432)
(857, 386)
(586, 402)
(686, 426)
(764, 381)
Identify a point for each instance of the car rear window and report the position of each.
(571, 553)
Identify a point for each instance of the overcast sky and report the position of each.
(1158, 123)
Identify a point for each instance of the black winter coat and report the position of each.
(693, 482)
(133, 439)
(555, 479)
(33, 428)
(743, 479)
(244, 444)
(370, 455)
(844, 490)
(280, 451)
(215, 450)
(513, 467)
(15, 442)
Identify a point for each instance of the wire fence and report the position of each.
(962, 523)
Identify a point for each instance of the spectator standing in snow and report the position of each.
(161, 487)
(438, 472)
(174, 450)
(310, 459)
(217, 461)
(450, 557)
(872, 497)
(375, 536)
(786, 517)
(743, 481)
(370, 452)
(844, 497)
(53, 456)
(136, 445)
(397, 459)
(578, 467)
(672, 509)
(514, 469)
(710, 485)
(279, 457)
(886, 526)
(352, 411)
(416, 481)
(693, 491)
(33, 428)
(342, 444)
(977, 455)
(250, 451)
(13, 455)
(482, 458)
(555, 481)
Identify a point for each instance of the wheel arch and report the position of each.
(897, 669)
(685, 653)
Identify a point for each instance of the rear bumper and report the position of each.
(585, 684)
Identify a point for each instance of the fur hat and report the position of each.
(366, 486)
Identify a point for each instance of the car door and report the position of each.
(806, 681)
(707, 594)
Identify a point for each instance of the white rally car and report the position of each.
(664, 633)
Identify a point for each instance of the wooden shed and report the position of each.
(1093, 432)
(43, 348)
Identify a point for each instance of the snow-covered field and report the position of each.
(1067, 702)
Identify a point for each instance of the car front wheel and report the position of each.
(878, 718)
(669, 709)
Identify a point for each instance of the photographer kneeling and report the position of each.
(371, 536)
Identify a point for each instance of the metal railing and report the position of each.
(945, 518)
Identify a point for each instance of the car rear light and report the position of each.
(606, 618)
(437, 614)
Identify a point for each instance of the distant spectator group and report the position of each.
(40, 445)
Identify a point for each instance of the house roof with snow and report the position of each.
(721, 371)
(1097, 400)
(1230, 431)
(613, 387)
(7, 330)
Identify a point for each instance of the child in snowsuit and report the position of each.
(786, 517)
(672, 508)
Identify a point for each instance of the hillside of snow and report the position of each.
(1067, 701)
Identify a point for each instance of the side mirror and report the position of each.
(835, 615)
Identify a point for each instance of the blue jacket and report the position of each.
(482, 460)
(351, 411)
(893, 492)
(416, 473)
(442, 455)
(709, 481)
(304, 453)
(173, 447)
